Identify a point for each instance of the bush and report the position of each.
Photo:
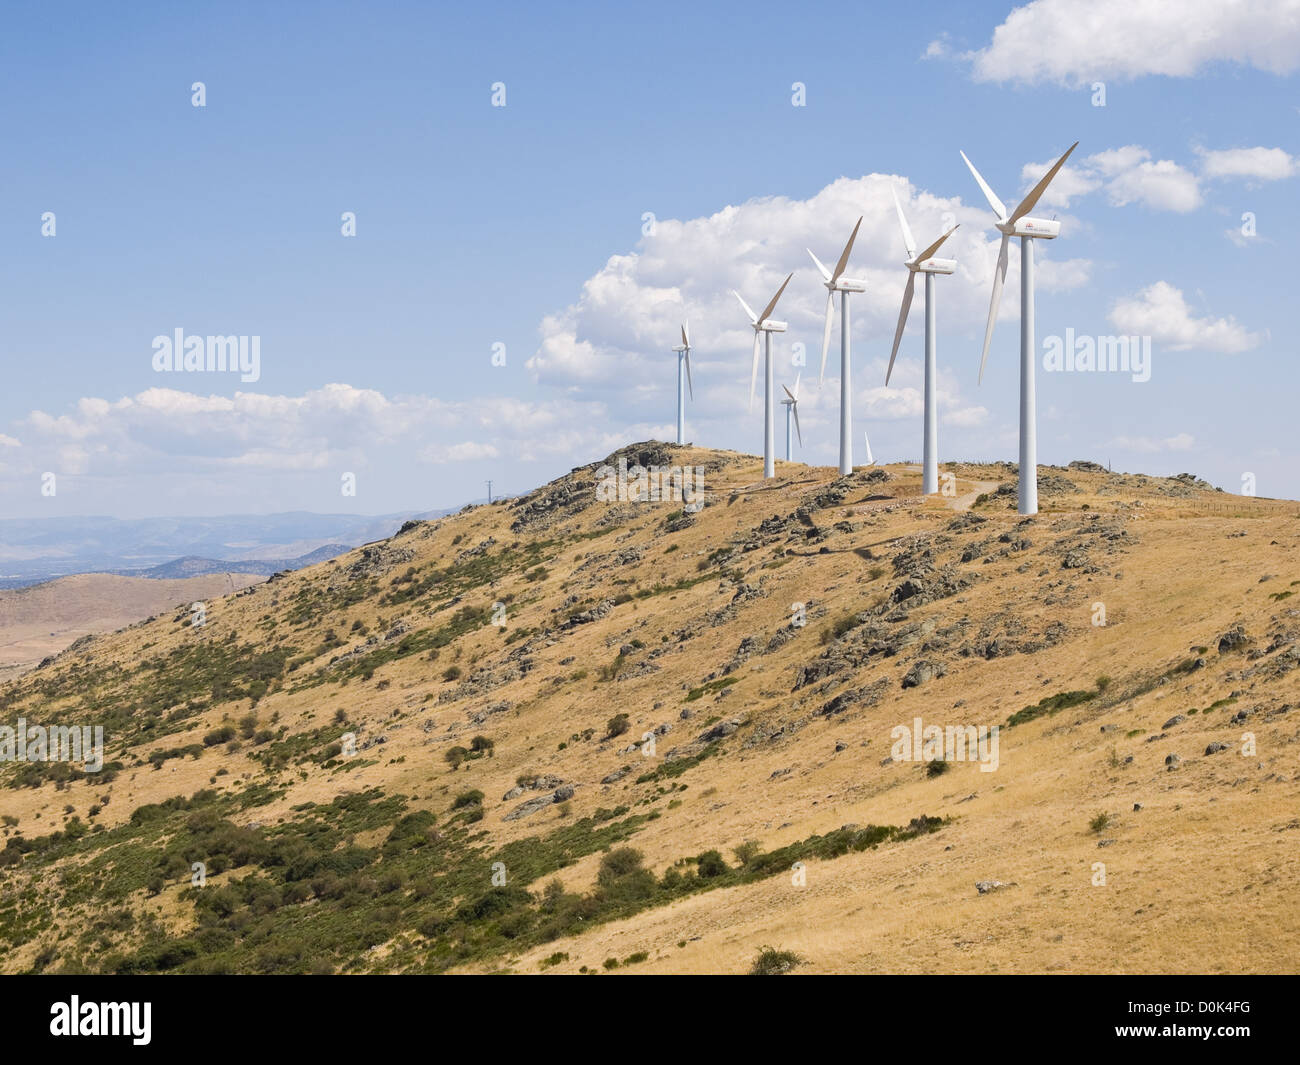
(617, 725)
(747, 851)
(468, 798)
(455, 756)
(451, 673)
(937, 768)
(711, 864)
(773, 962)
(481, 744)
(619, 864)
(224, 734)
(1099, 822)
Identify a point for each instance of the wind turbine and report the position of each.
(791, 404)
(836, 282)
(764, 327)
(923, 264)
(1019, 224)
(683, 371)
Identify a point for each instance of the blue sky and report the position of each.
(523, 225)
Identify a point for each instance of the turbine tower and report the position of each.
(923, 264)
(764, 327)
(791, 404)
(683, 351)
(836, 282)
(1019, 224)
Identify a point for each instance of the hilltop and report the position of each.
(561, 734)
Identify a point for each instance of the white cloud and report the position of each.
(8, 441)
(1076, 42)
(1128, 175)
(161, 430)
(1162, 185)
(1150, 445)
(1161, 312)
(1259, 164)
(466, 451)
(615, 339)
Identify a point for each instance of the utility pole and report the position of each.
(489, 484)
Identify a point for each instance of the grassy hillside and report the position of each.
(556, 734)
(43, 619)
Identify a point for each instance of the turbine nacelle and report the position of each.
(1038, 228)
(770, 326)
(934, 266)
(847, 284)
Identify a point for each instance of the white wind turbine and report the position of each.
(765, 327)
(1019, 224)
(923, 264)
(683, 351)
(835, 282)
(791, 404)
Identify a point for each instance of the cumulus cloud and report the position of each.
(1076, 42)
(1256, 164)
(1161, 312)
(161, 430)
(1127, 174)
(615, 339)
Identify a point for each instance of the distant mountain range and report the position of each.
(39, 549)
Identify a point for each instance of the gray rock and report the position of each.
(565, 791)
(525, 809)
(985, 886)
(1172, 762)
(1215, 748)
(922, 673)
(1177, 719)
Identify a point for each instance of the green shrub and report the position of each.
(711, 864)
(224, 734)
(773, 962)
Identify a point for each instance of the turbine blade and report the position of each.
(1027, 204)
(686, 339)
(999, 208)
(788, 393)
(689, 383)
(797, 378)
(753, 376)
(999, 276)
(772, 306)
(935, 246)
(794, 409)
(902, 321)
(749, 312)
(826, 333)
(826, 274)
(844, 255)
(908, 242)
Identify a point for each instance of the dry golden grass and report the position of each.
(1202, 878)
